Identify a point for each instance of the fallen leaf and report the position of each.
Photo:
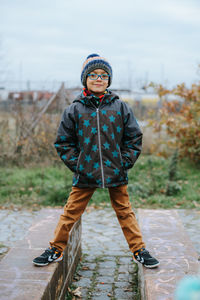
(85, 268)
(196, 204)
(101, 282)
(77, 292)
(127, 290)
(109, 295)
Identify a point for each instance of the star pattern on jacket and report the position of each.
(86, 123)
(94, 148)
(107, 163)
(89, 175)
(94, 130)
(116, 171)
(96, 165)
(106, 145)
(81, 168)
(112, 136)
(112, 119)
(80, 132)
(105, 127)
(108, 180)
(63, 138)
(99, 181)
(88, 158)
(115, 153)
(98, 144)
(87, 140)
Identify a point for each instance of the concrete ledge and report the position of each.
(165, 238)
(21, 280)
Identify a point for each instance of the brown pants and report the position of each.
(76, 204)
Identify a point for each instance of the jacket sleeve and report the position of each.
(66, 142)
(132, 138)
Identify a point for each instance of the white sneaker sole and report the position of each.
(146, 266)
(151, 267)
(46, 264)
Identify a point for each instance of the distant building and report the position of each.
(3, 94)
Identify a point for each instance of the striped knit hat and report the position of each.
(93, 62)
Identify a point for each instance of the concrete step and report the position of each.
(21, 280)
(167, 240)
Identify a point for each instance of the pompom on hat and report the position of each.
(93, 62)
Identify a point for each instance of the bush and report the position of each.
(180, 120)
(173, 188)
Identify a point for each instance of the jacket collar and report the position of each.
(108, 97)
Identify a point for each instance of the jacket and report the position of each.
(99, 144)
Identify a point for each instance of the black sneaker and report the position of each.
(144, 257)
(49, 255)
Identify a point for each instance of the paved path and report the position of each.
(14, 225)
(191, 221)
(107, 270)
(166, 236)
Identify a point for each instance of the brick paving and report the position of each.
(107, 270)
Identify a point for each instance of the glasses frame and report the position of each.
(99, 76)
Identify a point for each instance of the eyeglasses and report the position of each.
(94, 76)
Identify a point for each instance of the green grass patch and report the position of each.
(149, 185)
(34, 186)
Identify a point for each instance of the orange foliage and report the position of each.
(181, 120)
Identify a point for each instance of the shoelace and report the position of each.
(145, 253)
(47, 252)
(142, 252)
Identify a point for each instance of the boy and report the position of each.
(99, 140)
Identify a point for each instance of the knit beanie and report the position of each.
(93, 62)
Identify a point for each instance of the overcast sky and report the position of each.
(143, 40)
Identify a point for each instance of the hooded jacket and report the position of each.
(99, 144)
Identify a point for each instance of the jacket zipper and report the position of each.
(100, 154)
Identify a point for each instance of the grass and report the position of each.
(35, 186)
(38, 186)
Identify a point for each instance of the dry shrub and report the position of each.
(17, 147)
(180, 121)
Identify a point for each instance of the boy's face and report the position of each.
(98, 86)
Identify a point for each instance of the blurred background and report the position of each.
(154, 49)
(43, 43)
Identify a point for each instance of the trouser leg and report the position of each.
(76, 204)
(120, 202)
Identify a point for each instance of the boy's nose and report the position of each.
(99, 78)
